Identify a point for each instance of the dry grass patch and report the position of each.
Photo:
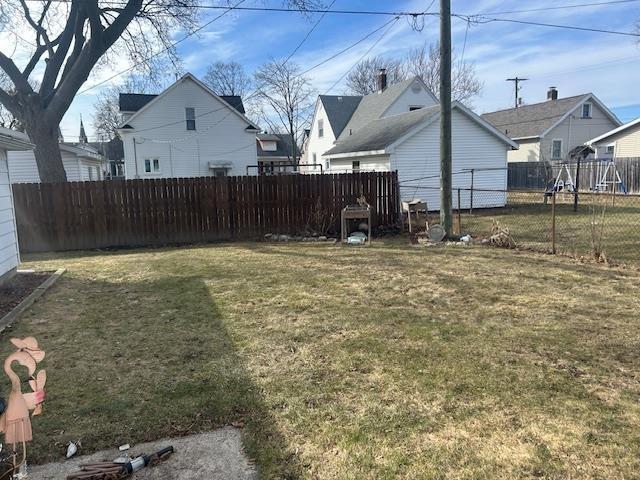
(381, 362)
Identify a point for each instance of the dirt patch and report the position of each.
(18, 288)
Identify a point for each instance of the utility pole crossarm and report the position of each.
(517, 81)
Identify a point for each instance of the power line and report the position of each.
(308, 34)
(559, 7)
(190, 34)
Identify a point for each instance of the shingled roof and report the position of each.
(132, 102)
(339, 109)
(283, 145)
(535, 119)
(381, 133)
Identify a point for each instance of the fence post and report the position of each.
(459, 215)
(471, 193)
(553, 222)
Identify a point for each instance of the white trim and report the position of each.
(590, 110)
(534, 137)
(371, 153)
(416, 78)
(319, 101)
(12, 140)
(614, 131)
(585, 98)
(187, 76)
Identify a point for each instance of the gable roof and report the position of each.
(374, 105)
(132, 102)
(339, 109)
(12, 140)
(532, 120)
(537, 119)
(283, 145)
(111, 150)
(382, 134)
(615, 131)
(233, 102)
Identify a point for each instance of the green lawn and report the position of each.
(382, 362)
(529, 221)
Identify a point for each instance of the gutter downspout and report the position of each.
(135, 157)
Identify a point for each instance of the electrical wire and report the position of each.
(308, 34)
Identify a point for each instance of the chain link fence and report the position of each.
(603, 226)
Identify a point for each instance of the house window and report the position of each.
(414, 107)
(586, 110)
(327, 165)
(556, 149)
(320, 128)
(90, 169)
(315, 160)
(151, 165)
(610, 149)
(219, 172)
(355, 166)
(190, 115)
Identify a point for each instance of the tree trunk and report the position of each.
(47, 151)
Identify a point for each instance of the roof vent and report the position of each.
(552, 94)
(340, 99)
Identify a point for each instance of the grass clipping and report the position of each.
(500, 236)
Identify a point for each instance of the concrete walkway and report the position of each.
(216, 455)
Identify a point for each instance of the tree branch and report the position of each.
(14, 74)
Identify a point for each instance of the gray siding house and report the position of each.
(549, 130)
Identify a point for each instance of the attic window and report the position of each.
(320, 128)
(586, 110)
(190, 116)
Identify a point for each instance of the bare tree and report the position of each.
(7, 119)
(285, 97)
(424, 62)
(66, 41)
(227, 79)
(362, 79)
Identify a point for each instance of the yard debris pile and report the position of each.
(500, 236)
(274, 237)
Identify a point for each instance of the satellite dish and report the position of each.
(436, 233)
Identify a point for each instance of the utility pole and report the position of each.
(517, 81)
(446, 214)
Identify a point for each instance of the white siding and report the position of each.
(220, 136)
(410, 98)
(371, 163)
(23, 168)
(626, 143)
(317, 145)
(529, 151)
(9, 256)
(575, 130)
(473, 147)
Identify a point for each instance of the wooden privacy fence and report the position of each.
(126, 213)
(537, 175)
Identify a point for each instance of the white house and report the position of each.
(620, 142)
(276, 154)
(548, 131)
(186, 131)
(9, 251)
(339, 116)
(410, 143)
(397, 128)
(81, 163)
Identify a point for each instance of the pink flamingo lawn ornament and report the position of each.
(15, 421)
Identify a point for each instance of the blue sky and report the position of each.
(574, 61)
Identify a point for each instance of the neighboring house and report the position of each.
(186, 131)
(620, 142)
(339, 116)
(410, 143)
(113, 154)
(9, 251)
(275, 154)
(549, 130)
(81, 163)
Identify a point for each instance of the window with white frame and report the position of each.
(355, 166)
(219, 171)
(151, 165)
(320, 128)
(315, 160)
(90, 170)
(586, 110)
(190, 116)
(610, 149)
(556, 149)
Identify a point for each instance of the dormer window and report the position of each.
(190, 116)
(320, 128)
(586, 110)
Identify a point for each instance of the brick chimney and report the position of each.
(382, 80)
(552, 94)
